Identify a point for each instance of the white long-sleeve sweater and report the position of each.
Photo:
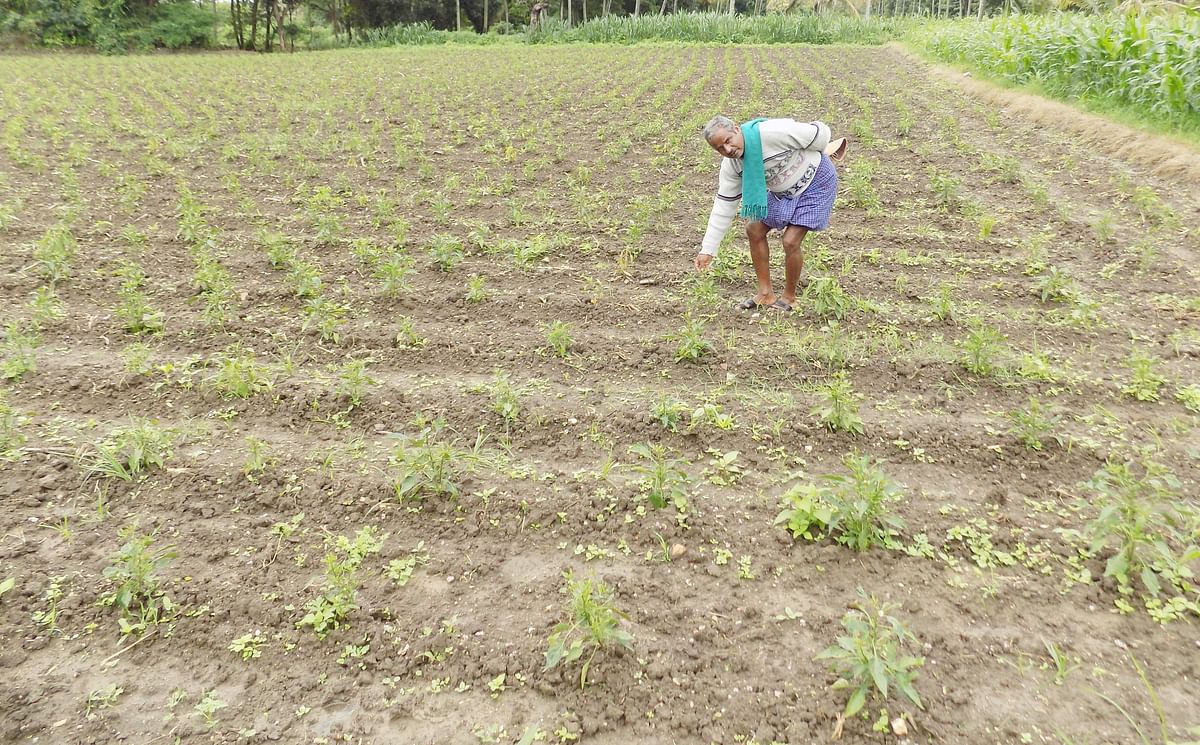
(791, 154)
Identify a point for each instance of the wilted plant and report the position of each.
(838, 409)
(870, 656)
(663, 480)
(1144, 381)
(129, 450)
(1033, 423)
(330, 610)
(855, 507)
(134, 572)
(558, 337)
(594, 623)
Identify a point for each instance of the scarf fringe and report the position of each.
(754, 212)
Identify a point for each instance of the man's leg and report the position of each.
(793, 261)
(760, 254)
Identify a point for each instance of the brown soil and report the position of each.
(577, 145)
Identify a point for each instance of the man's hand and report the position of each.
(702, 262)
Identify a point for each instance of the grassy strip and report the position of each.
(718, 28)
(1143, 70)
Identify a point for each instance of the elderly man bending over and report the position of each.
(781, 172)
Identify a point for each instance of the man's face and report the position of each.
(728, 142)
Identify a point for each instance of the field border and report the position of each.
(1170, 158)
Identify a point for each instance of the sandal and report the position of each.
(836, 149)
(781, 306)
(748, 304)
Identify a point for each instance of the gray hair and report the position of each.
(718, 124)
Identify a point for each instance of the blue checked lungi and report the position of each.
(811, 208)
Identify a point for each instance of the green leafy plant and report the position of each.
(594, 624)
(1032, 424)
(353, 381)
(401, 571)
(331, 609)
(476, 289)
(1062, 663)
(134, 572)
(102, 698)
(667, 412)
(946, 188)
(692, 344)
(446, 252)
(19, 357)
(207, 708)
(248, 646)
(981, 349)
(1144, 382)
(1138, 520)
(558, 337)
(838, 408)
(869, 658)
(709, 414)
(54, 254)
(1057, 285)
(393, 273)
(11, 437)
(854, 507)
(238, 374)
(827, 298)
(430, 464)
(130, 450)
(506, 399)
(663, 480)
(1188, 395)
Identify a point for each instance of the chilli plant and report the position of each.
(854, 508)
(870, 658)
(593, 624)
(1139, 518)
